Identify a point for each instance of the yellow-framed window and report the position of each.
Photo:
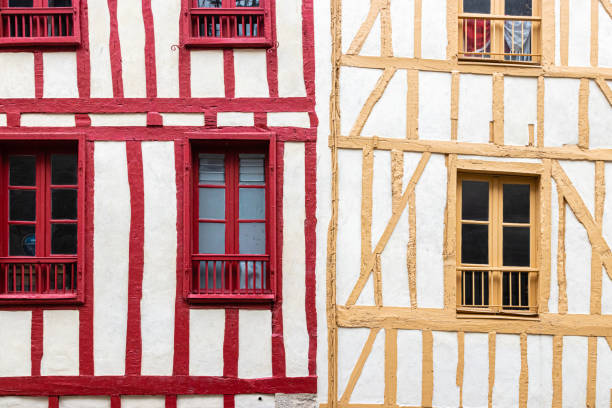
(497, 251)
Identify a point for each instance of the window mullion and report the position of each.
(41, 204)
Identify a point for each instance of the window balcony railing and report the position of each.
(38, 278)
(44, 25)
(508, 39)
(232, 277)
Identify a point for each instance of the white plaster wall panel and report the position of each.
(24, 402)
(289, 52)
(520, 109)
(199, 401)
(381, 194)
(430, 205)
(433, 29)
(2, 119)
(507, 370)
(112, 214)
(17, 75)
(291, 119)
(579, 33)
(15, 350)
(207, 77)
(206, 336)
(166, 17)
(582, 176)
(553, 300)
(475, 108)
(350, 344)
(349, 223)
(604, 373)
(235, 119)
(99, 52)
(388, 118)
(574, 373)
(600, 117)
(250, 73)
(402, 21)
(60, 342)
(577, 265)
(367, 294)
(434, 105)
(183, 119)
(605, 33)
(132, 39)
(353, 17)
(356, 84)
(84, 402)
(254, 401)
(561, 111)
(445, 389)
(539, 363)
(60, 75)
(606, 296)
(294, 260)
(475, 370)
(118, 119)
(143, 402)
(159, 269)
(47, 120)
(255, 345)
(409, 367)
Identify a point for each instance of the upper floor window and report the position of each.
(500, 30)
(235, 23)
(36, 22)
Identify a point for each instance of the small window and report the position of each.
(496, 256)
(500, 30)
(236, 23)
(39, 22)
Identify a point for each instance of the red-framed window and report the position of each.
(233, 222)
(228, 23)
(39, 22)
(41, 222)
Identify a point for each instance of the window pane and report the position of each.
(60, 3)
(64, 204)
(21, 3)
(474, 244)
(212, 169)
(252, 204)
(516, 203)
(22, 170)
(212, 238)
(64, 169)
(22, 240)
(477, 6)
(247, 3)
(212, 203)
(518, 7)
(22, 205)
(524, 288)
(209, 3)
(64, 239)
(475, 200)
(252, 169)
(253, 238)
(516, 246)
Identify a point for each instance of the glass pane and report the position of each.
(22, 240)
(506, 288)
(22, 205)
(64, 169)
(64, 239)
(212, 203)
(212, 238)
(253, 238)
(475, 244)
(475, 200)
(64, 204)
(211, 274)
(252, 204)
(516, 203)
(60, 3)
(209, 3)
(518, 7)
(22, 170)
(251, 275)
(212, 169)
(21, 3)
(468, 281)
(524, 288)
(252, 169)
(247, 3)
(516, 246)
(477, 6)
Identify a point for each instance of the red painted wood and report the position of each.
(184, 55)
(278, 344)
(308, 47)
(115, 51)
(36, 341)
(151, 70)
(170, 401)
(229, 74)
(36, 16)
(13, 118)
(229, 401)
(310, 226)
(38, 74)
(272, 54)
(82, 120)
(115, 401)
(154, 119)
(83, 60)
(230, 343)
(53, 402)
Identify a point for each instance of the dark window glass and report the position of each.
(22, 240)
(209, 3)
(468, 284)
(516, 246)
(515, 290)
(60, 3)
(22, 205)
(247, 3)
(524, 288)
(476, 288)
(477, 6)
(506, 288)
(64, 239)
(518, 8)
(516, 203)
(21, 3)
(22, 170)
(64, 204)
(64, 169)
(475, 200)
(475, 244)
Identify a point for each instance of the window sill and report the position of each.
(498, 63)
(8, 42)
(229, 299)
(195, 42)
(469, 313)
(40, 299)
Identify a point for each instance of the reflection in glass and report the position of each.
(63, 239)
(212, 203)
(22, 205)
(475, 200)
(474, 244)
(251, 275)
(252, 204)
(22, 240)
(253, 238)
(247, 3)
(22, 171)
(64, 204)
(518, 7)
(516, 246)
(209, 3)
(516, 203)
(212, 238)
